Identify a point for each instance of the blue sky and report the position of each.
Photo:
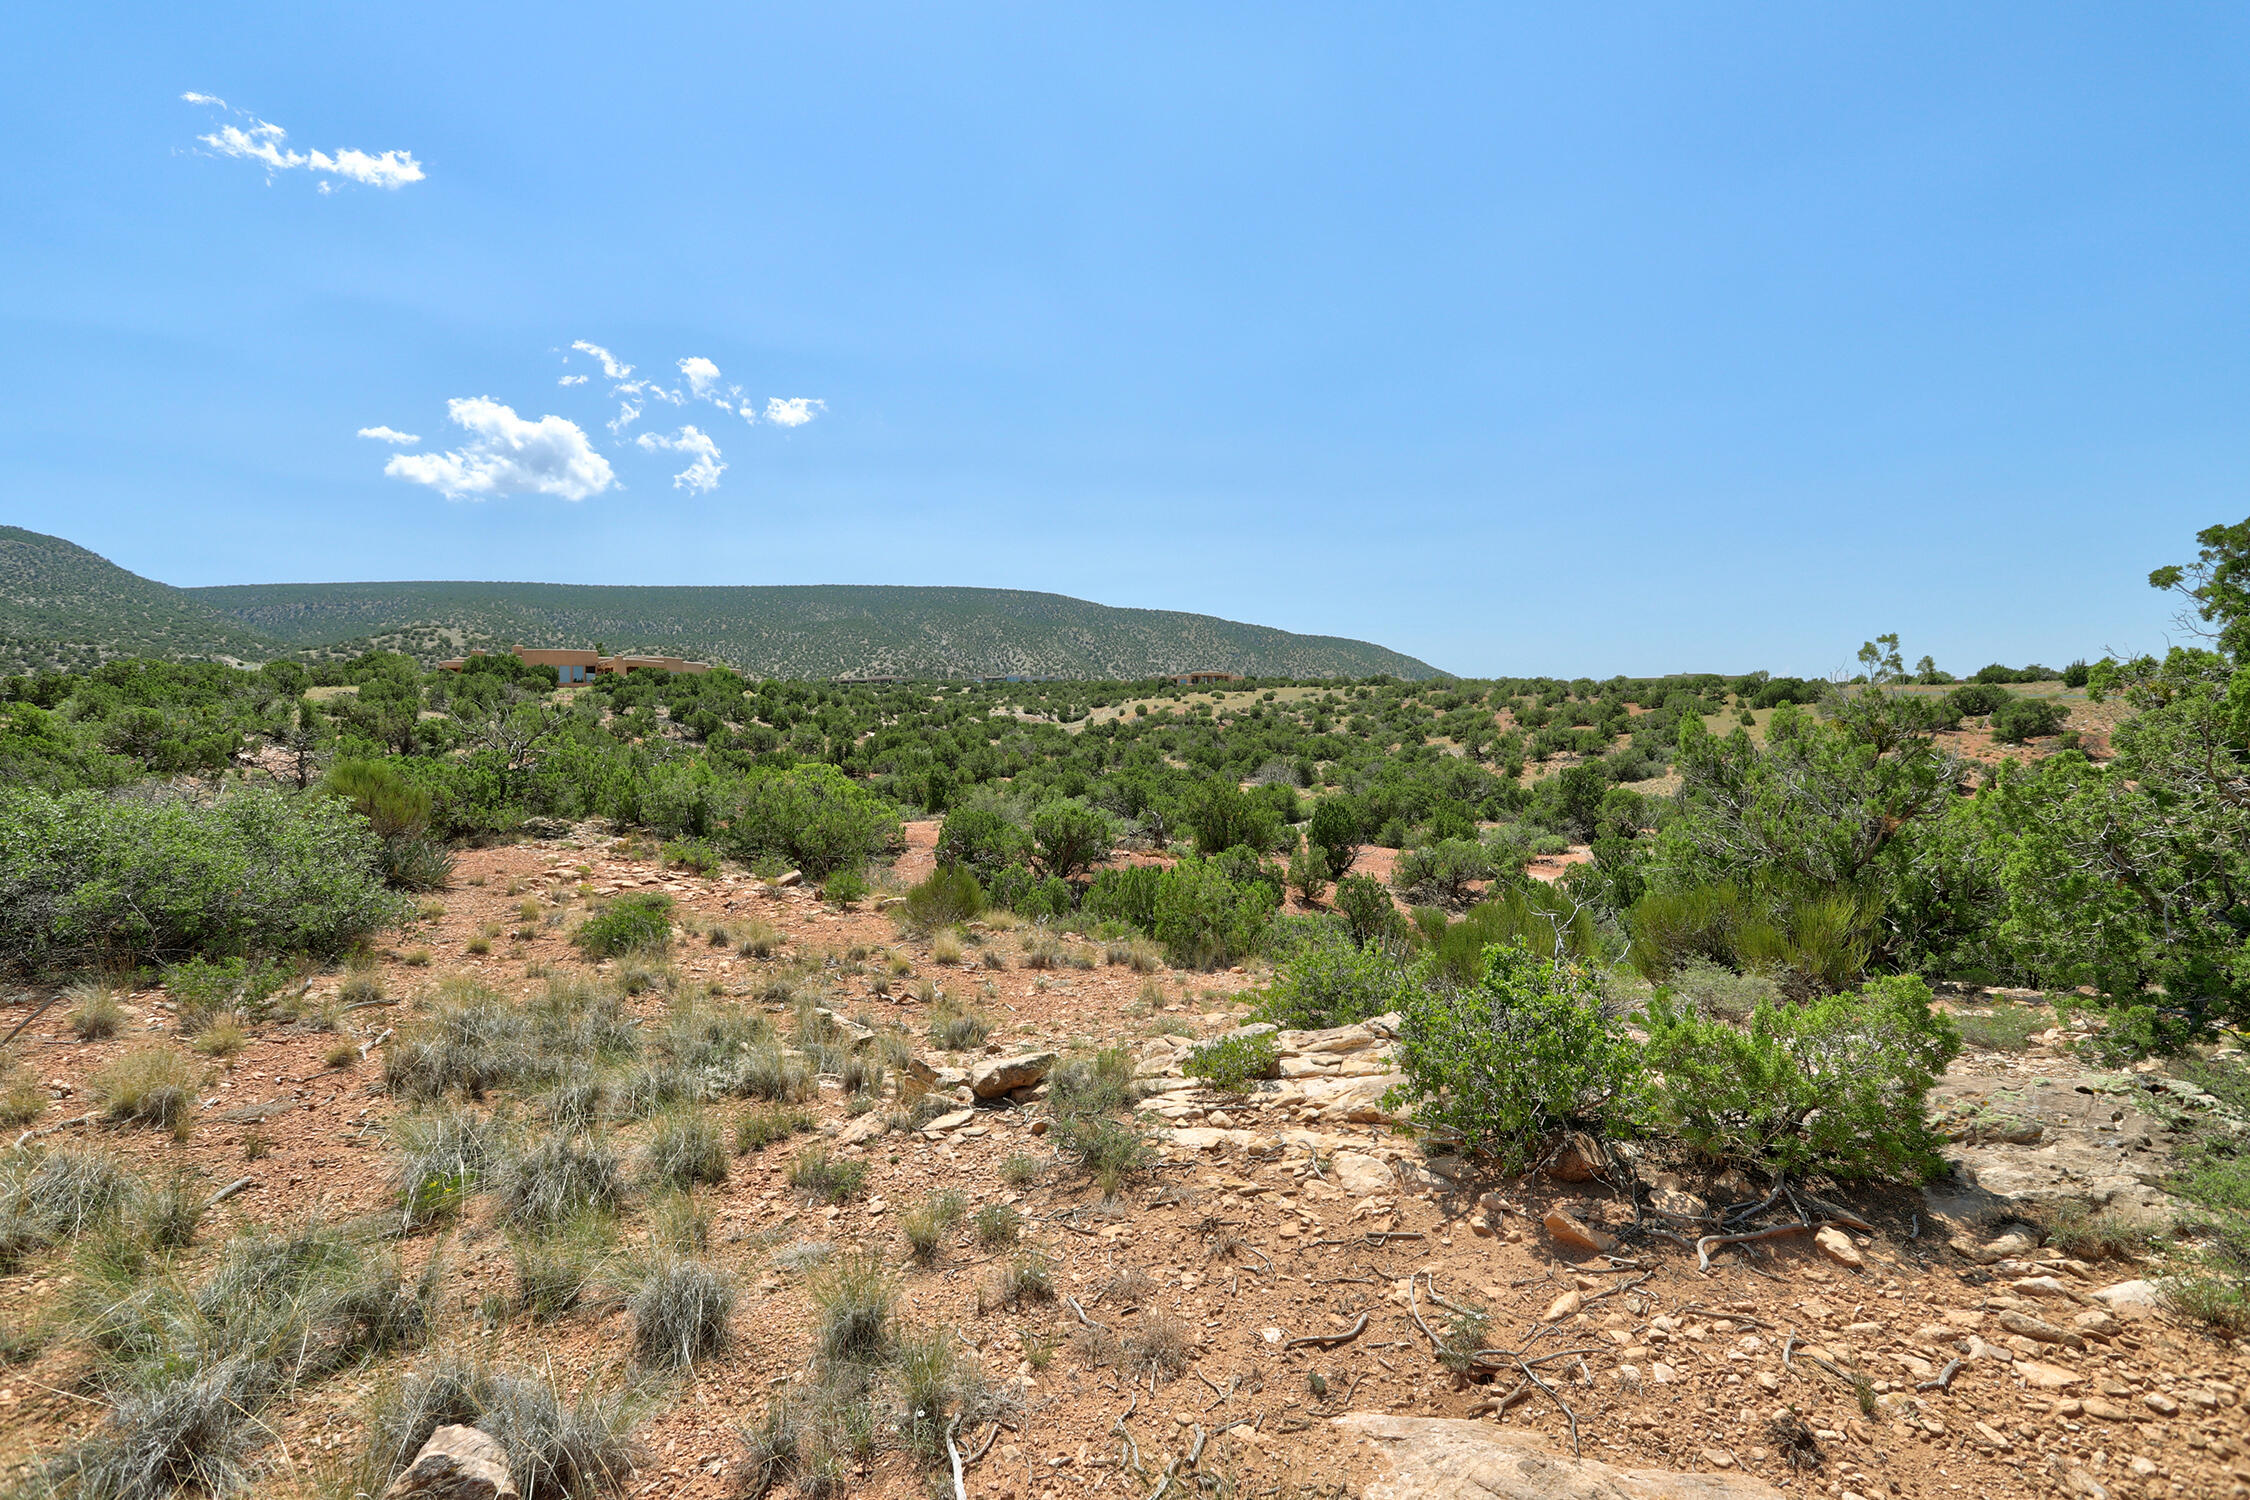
(1570, 339)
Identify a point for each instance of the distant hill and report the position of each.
(61, 605)
(64, 607)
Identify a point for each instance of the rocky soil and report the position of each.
(1301, 1251)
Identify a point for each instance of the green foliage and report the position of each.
(1203, 919)
(393, 806)
(639, 922)
(1069, 836)
(843, 888)
(1366, 908)
(948, 896)
(1328, 980)
(1334, 832)
(2023, 719)
(1501, 1066)
(814, 816)
(1232, 1063)
(1440, 874)
(1835, 1085)
(86, 876)
(1018, 890)
(1224, 816)
(1976, 699)
(982, 840)
(1126, 894)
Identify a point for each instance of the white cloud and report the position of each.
(701, 374)
(793, 411)
(572, 380)
(701, 476)
(506, 455)
(262, 141)
(628, 412)
(389, 435)
(610, 366)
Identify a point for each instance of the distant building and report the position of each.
(1198, 679)
(580, 666)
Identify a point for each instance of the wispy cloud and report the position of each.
(701, 375)
(264, 142)
(572, 380)
(701, 476)
(791, 411)
(389, 435)
(506, 454)
(609, 362)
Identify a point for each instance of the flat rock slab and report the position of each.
(1448, 1458)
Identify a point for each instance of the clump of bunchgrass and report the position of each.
(852, 1302)
(442, 1159)
(559, 1176)
(952, 1029)
(472, 1040)
(151, 1085)
(756, 1129)
(685, 1151)
(825, 1177)
(680, 1313)
(95, 1013)
(998, 1224)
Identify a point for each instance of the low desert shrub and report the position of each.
(1232, 1063)
(1329, 980)
(636, 923)
(442, 1159)
(948, 896)
(998, 1224)
(757, 1129)
(1501, 1066)
(95, 1014)
(1028, 1276)
(813, 815)
(86, 875)
(557, 1449)
(824, 1177)
(1837, 1084)
(952, 1029)
(472, 1040)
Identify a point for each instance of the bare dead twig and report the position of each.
(1330, 1340)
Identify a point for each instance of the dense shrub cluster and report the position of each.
(89, 875)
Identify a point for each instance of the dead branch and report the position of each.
(1330, 1340)
(70, 1124)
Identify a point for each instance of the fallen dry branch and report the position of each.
(232, 1188)
(1330, 1340)
(70, 1124)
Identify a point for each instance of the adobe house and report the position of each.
(1198, 679)
(580, 666)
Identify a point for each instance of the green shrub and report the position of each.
(1503, 1065)
(1126, 894)
(1068, 836)
(820, 1176)
(1328, 980)
(1018, 890)
(1366, 909)
(1974, 700)
(85, 876)
(1334, 833)
(1543, 919)
(1232, 1063)
(843, 888)
(637, 923)
(2022, 719)
(393, 806)
(1203, 919)
(692, 854)
(1834, 1085)
(814, 816)
(982, 841)
(949, 895)
(1440, 873)
(205, 989)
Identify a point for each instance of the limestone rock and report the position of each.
(1363, 1176)
(1838, 1247)
(1567, 1229)
(2132, 1298)
(2039, 1330)
(793, 877)
(457, 1463)
(996, 1076)
(1449, 1458)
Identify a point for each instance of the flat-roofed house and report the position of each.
(570, 666)
(580, 666)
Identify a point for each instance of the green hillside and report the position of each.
(61, 605)
(64, 607)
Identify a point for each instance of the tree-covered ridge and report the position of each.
(822, 630)
(63, 607)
